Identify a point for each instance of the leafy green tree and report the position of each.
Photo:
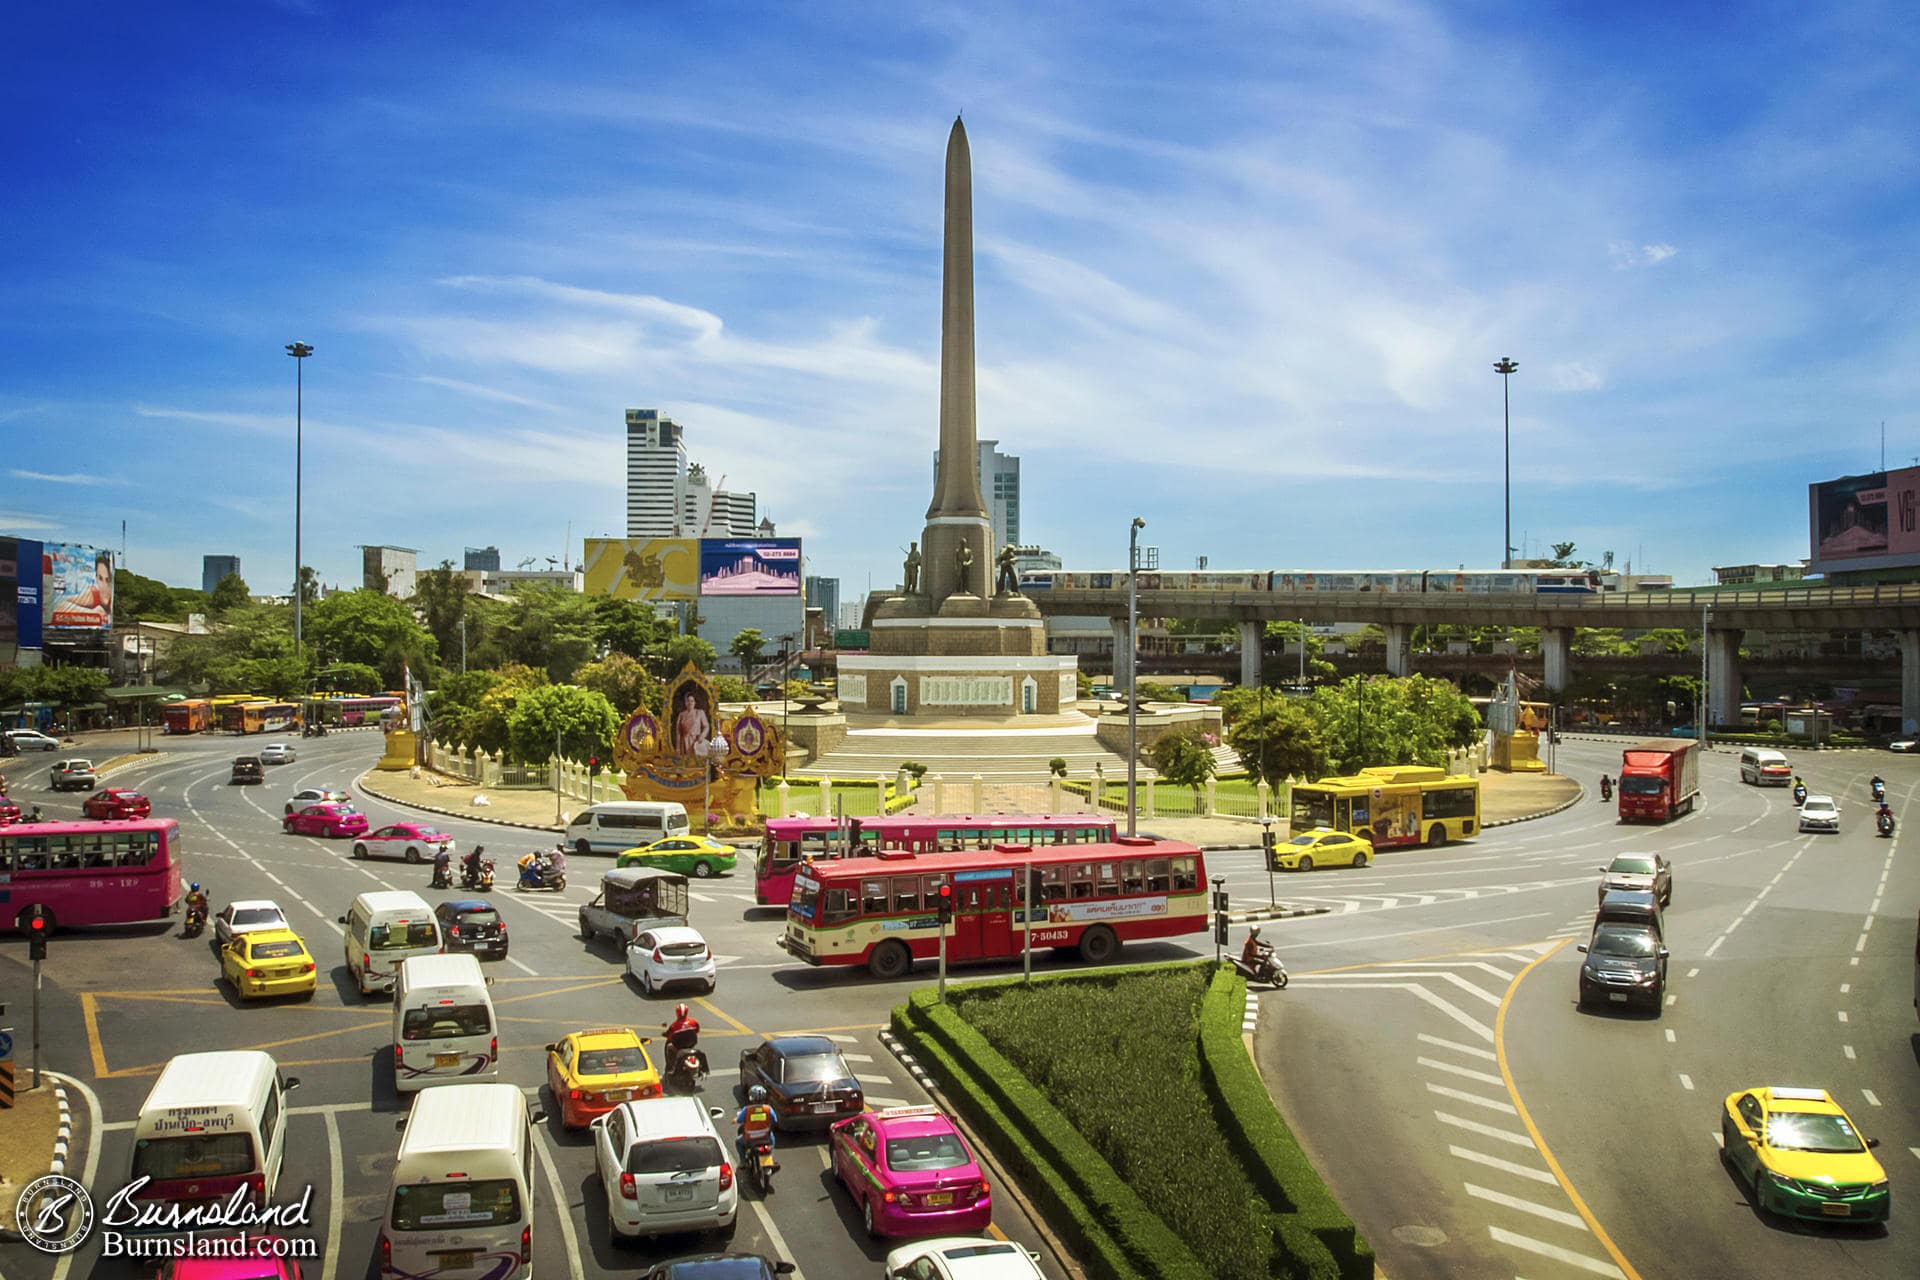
(491, 726)
(1183, 758)
(626, 626)
(623, 682)
(537, 626)
(684, 649)
(146, 599)
(370, 628)
(1386, 720)
(1281, 740)
(732, 689)
(1285, 668)
(441, 597)
(579, 720)
(454, 705)
(793, 690)
(348, 677)
(229, 593)
(249, 649)
(746, 646)
(309, 586)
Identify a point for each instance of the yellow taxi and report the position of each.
(690, 855)
(1803, 1156)
(266, 963)
(1322, 848)
(592, 1072)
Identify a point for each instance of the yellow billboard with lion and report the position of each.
(643, 568)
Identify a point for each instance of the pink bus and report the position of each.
(791, 841)
(90, 873)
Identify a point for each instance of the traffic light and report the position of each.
(1220, 928)
(1266, 842)
(39, 925)
(1033, 888)
(593, 766)
(945, 900)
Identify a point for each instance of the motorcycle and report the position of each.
(1269, 971)
(196, 922)
(442, 877)
(1885, 823)
(1606, 789)
(1879, 791)
(686, 1068)
(481, 880)
(1799, 794)
(761, 1166)
(537, 875)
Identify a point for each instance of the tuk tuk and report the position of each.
(632, 900)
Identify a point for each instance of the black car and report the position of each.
(248, 769)
(1625, 964)
(720, 1266)
(471, 924)
(809, 1084)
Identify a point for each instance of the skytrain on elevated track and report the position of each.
(1388, 581)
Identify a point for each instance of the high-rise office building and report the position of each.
(1000, 485)
(214, 568)
(656, 463)
(486, 559)
(824, 594)
(398, 567)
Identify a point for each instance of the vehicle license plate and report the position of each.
(1836, 1210)
(940, 1197)
(457, 1261)
(619, 1095)
(679, 1193)
(1618, 997)
(446, 1059)
(825, 1107)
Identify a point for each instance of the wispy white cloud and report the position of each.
(71, 477)
(1626, 255)
(486, 393)
(28, 521)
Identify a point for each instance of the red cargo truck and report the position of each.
(1659, 779)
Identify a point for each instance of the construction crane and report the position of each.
(524, 563)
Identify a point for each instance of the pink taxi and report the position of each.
(336, 820)
(262, 1263)
(911, 1173)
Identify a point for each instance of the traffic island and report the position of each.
(1149, 1172)
(429, 792)
(34, 1136)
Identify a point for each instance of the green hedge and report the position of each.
(1315, 1234)
(1083, 1198)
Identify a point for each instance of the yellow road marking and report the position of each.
(582, 986)
(1533, 1130)
(89, 1014)
(738, 1026)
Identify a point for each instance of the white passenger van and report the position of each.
(1764, 768)
(384, 929)
(618, 825)
(461, 1202)
(443, 1027)
(212, 1122)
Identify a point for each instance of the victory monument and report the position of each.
(958, 638)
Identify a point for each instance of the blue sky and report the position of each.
(1241, 269)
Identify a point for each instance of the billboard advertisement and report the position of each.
(9, 595)
(750, 566)
(1873, 517)
(77, 587)
(643, 568)
(26, 593)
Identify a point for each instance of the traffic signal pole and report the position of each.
(940, 995)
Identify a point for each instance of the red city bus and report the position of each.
(881, 910)
(88, 873)
(790, 841)
(195, 715)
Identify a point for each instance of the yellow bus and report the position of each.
(1390, 806)
(261, 717)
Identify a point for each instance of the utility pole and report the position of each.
(1133, 665)
(1506, 367)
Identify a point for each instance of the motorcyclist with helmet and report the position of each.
(683, 1036)
(470, 866)
(1256, 955)
(754, 1124)
(197, 904)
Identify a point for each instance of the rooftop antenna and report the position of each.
(1883, 444)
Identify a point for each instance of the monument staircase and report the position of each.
(996, 754)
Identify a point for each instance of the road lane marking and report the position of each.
(1716, 946)
(336, 1192)
(1843, 1014)
(1465, 1073)
(1670, 1035)
(1560, 1216)
(1845, 987)
(561, 1204)
(1473, 1099)
(1404, 933)
(1456, 1046)
(521, 965)
(1848, 1050)
(1485, 1130)
(1693, 973)
(1416, 989)
(1686, 1082)
(1620, 1266)
(1872, 1099)
(773, 1233)
(1505, 1166)
(1554, 1251)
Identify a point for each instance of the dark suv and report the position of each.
(471, 924)
(1625, 964)
(248, 769)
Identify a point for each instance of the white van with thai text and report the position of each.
(461, 1200)
(618, 825)
(384, 929)
(213, 1123)
(443, 1026)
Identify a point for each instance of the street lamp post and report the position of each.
(1506, 367)
(299, 351)
(1133, 649)
(707, 750)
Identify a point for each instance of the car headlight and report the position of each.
(1782, 1181)
(1874, 1188)
(1645, 979)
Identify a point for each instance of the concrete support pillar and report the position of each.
(1399, 648)
(1556, 643)
(1910, 681)
(1213, 798)
(826, 797)
(1266, 799)
(1122, 669)
(1724, 685)
(1146, 806)
(1252, 634)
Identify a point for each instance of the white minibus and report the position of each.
(618, 825)
(383, 929)
(1764, 768)
(212, 1122)
(461, 1202)
(443, 1027)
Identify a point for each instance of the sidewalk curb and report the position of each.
(1579, 794)
(1007, 1183)
(463, 814)
(62, 1139)
(1274, 913)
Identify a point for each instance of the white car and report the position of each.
(668, 956)
(316, 795)
(1904, 745)
(276, 753)
(963, 1258)
(33, 740)
(249, 915)
(664, 1168)
(1819, 813)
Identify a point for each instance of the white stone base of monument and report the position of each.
(953, 685)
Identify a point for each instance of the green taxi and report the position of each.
(696, 856)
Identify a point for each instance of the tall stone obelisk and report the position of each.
(957, 516)
(950, 642)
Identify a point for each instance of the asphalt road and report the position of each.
(1476, 1123)
(117, 1006)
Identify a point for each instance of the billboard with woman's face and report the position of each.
(76, 587)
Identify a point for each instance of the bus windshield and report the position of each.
(1312, 809)
(806, 896)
